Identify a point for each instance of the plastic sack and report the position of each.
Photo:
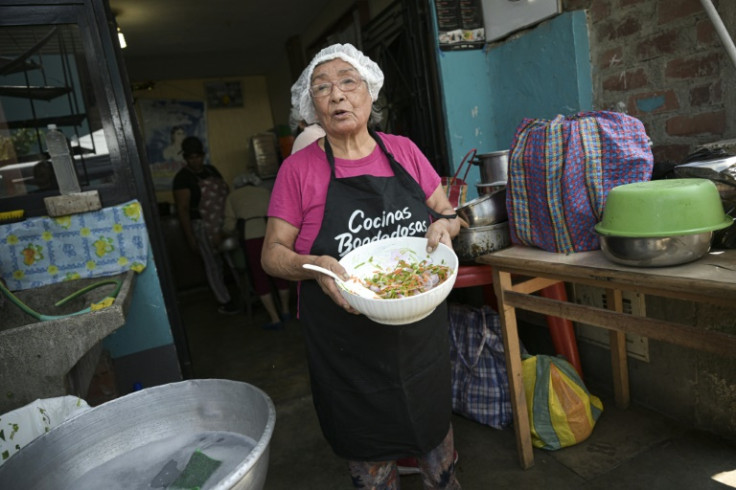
(561, 410)
(560, 173)
(21, 426)
(480, 386)
(456, 189)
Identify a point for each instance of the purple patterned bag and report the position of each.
(560, 173)
(480, 385)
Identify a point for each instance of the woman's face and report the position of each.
(341, 112)
(195, 161)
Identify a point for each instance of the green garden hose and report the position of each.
(40, 316)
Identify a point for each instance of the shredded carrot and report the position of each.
(407, 279)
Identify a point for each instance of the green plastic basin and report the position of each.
(662, 208)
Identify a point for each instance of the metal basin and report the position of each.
(485, 210)
(655, 251)
(146, 439)
(474, 242)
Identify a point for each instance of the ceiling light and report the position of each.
(121, 39)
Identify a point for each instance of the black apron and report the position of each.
(381, 392)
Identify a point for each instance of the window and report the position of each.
(44, 79)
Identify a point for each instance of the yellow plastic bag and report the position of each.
(561, 410)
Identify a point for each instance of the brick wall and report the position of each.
(662, 61)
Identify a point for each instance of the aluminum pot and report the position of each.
(655, 251)
(494, 166)
(474, 242)
(145, 440)
(485, 210)
(484, 189)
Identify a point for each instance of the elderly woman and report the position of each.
(381, 392)
(248, 203)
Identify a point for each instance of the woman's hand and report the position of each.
(328, 284)
(280, 260)
(445, 229)
(440, 231)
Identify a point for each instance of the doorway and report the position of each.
(400, 40)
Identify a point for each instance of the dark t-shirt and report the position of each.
(187, 179)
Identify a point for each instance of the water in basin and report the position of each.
(159, 464)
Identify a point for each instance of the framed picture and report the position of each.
(165, 124)
(222, 95)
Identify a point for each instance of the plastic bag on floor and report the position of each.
(561, 410)
(480, 387)
(21, 426)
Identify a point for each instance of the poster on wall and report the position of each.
(165, 124)
(223, 95)
(460, 24)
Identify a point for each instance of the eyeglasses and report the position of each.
(324, 89)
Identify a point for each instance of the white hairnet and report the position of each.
(368, 69)
(294, 119)
(245, 179)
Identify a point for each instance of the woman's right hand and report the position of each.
(280, 260)
(328, 284)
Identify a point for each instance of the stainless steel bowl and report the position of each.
(474, 242)
(655, 251)
(485, 210)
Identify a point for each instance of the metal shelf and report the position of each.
(68, 120)
(34, 92)
(10, 65)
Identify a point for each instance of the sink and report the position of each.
(43, 359)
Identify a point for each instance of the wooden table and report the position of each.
(711, 279)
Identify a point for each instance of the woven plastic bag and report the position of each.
(561, 410)
(456, 189)
(480, 389)
(560, 173)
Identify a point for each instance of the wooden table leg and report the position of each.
(619, 367)
(507, 314)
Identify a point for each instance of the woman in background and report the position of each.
(249, 202)
(199, 194)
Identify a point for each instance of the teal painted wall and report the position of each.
(467, 99)
(487, 92)
(147, 325)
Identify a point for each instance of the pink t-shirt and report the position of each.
(300, 189)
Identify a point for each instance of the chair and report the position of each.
(249, 294)
(241, 273)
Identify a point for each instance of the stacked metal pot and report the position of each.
(486, 215)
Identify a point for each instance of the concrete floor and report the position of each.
(629, 449)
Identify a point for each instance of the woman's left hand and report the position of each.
(440, 231)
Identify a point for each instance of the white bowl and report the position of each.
(365, 261)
